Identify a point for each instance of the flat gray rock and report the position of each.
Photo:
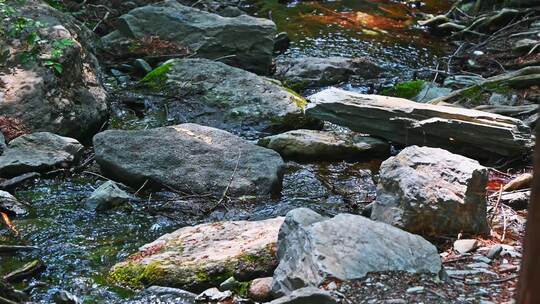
(189, 158)
(38, 152)
(312, 249)
(325, 145)
(469, 132)
(241, 41)
(431, 191)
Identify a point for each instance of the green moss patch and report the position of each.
(157, 78)
(136, 276)
(406, 90)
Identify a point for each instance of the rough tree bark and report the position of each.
(529, 282)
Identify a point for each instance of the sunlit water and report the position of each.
(79, 245)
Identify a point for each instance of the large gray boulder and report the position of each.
(203, 256)
(189, 158)
(306, 72)
(39, 98)
(325, 145)
(431, 191)
(469, 132)
(39, 152)
(241, 41)
(217, 95)
(312, 249)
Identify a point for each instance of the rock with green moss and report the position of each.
(203, 256)
(215, 94)
(242, 41)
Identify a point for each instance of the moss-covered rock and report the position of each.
(214, 94)
(203, 256)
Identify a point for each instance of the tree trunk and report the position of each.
(529, 283)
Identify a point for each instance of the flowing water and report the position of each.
(79, 245)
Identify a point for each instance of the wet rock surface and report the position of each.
(241, 41)
(187, 258)
(431, 191)
(312, 249)
(189, 158)
(324, 145)
(38, 152)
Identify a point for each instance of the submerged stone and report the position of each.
(108, 196)
(308, 72)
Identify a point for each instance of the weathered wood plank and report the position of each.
(469, 132)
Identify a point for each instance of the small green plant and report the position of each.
(15, 26)
(58, 47)
(407, 89)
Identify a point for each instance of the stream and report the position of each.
(79, 245)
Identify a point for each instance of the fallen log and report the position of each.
(9, 249)
(473, 133)
(12, 183)
(29, 270)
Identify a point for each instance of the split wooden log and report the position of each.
(473, 133)
(10, 249)
(29, 270)
(520, 182)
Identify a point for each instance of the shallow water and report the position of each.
(79, 245)
(381, 30)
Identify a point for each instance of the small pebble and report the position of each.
(417, 289)
(465, 246)
(494, 251)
